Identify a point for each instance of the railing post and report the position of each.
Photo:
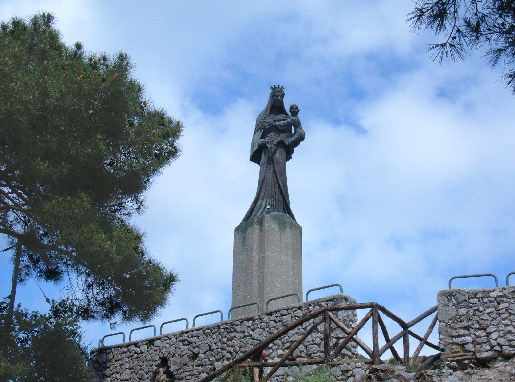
(405, 342)
(375, 335)
(327, 336)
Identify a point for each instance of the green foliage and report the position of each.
(394, 361)
(322, 374)
(470, 24)
(79, 145)
(244, 374)
(36, 347)
(237, 374)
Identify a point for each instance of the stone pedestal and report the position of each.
(267, 263)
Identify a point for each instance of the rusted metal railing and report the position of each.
(327, 317)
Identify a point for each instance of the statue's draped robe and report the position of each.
(272, 192)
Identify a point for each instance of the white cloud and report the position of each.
(342, 30)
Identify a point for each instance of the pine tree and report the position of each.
(39, 347)
(470, 24)
(79, 145)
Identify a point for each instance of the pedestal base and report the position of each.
(267, 263)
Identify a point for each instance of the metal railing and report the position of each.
(323, 287)
(207, 313)
(172, 321)
(478, 275)
(243, 306)
(101, 342)
(281, 297)
(141, 327)
(229, 314)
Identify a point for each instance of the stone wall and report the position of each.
(478, 323)
(189, 355)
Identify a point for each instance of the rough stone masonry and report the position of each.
(478, 322)
(189, 355)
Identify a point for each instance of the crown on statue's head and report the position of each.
(277, 88)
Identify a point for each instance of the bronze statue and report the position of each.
(272, 146)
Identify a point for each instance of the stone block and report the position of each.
(487, 355)
(463, 340)
(267, 263)
(446, 313)
(508, 351)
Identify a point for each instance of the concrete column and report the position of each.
(267, 262)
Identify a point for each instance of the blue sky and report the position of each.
(406, 176)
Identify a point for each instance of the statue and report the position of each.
(272, 146)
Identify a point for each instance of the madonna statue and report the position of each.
(272, 146)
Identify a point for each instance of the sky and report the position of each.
(405, 178)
